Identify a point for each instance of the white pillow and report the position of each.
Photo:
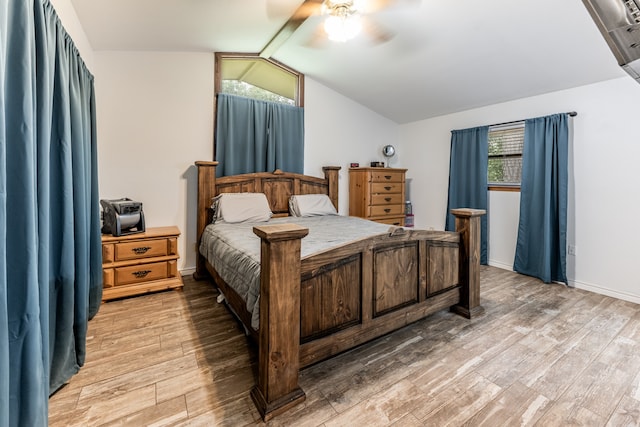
(311, 205)
(241, 207)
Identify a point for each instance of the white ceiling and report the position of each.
(446, 56)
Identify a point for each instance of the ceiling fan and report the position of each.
(342, 20)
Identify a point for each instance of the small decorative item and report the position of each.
(377, 164)
(354, 165)
(389, 151)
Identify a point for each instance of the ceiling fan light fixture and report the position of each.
(342, 20)
(342, 28)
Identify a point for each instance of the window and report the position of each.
(505, 156)
(252, 76)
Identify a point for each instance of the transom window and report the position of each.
(252, 76)
(505, 156)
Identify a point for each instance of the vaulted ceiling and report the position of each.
(445, 56)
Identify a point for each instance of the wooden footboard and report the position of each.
(350, 295)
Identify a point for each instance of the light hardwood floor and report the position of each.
(541, 355)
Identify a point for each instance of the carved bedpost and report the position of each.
(331, 174)
(206, 191)
(279, 334)
(468, 225)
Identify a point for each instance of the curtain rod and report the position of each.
(570, 113)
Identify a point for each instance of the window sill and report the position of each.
(499, 187)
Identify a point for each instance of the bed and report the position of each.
(316, 305)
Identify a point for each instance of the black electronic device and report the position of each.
(122, 217)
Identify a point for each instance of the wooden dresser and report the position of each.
(377, 194)
(140, 263)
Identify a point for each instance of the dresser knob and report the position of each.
(387, 199)
(387, 188)
(388, 176)
(387, 210)
(141, 250)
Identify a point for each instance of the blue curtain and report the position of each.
(468, 177)
(542, 231)
(50, 249)
(258, 136)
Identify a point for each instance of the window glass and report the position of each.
(505, 155)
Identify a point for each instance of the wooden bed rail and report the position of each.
(277, 387)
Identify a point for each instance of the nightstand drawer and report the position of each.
(387, 210)
(141, 249)
(386, 199)
(141, 273)
(386, 188)
(387, 176)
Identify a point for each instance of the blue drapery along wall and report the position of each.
(468, 178)
(50, 249)
(542, 230)
(258, 136)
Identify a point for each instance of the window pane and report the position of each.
(505, 154)
(236, 87)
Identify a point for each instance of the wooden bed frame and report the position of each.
(323, 305)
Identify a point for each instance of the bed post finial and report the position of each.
(468, 225)
(206, 191)
(331, 174)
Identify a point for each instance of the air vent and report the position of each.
(633, 10)
(619, 23)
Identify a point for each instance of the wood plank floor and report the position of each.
(542, 355)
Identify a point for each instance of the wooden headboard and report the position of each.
(278, 186)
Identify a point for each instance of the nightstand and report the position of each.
(140, 263)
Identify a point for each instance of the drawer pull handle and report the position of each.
(387, 188)
(388, 176)
(141, 273)
(387, 199)
(387, 210)
(141, 250)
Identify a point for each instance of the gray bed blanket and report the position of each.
(234, 250)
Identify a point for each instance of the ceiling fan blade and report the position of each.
(376, 32)
(277, 9)
(307, 9)
(372, 6)
(319, 39)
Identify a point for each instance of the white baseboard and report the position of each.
(605, 291)
(501, 265)
(187, 271)
(597, 289)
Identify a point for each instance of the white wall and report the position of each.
(155, 118)
(339, 131)
(603, 174)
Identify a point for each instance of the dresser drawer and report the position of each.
(386, 188)
(393, 210)
(387, 176)
(399, 221)
(142, 273)
(386, 199)
(142, 249)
